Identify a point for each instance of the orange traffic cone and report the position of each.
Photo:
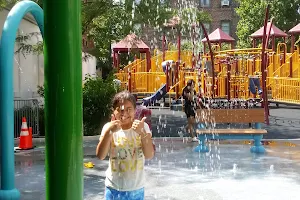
(25, 136)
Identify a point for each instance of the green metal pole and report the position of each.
(63, 99)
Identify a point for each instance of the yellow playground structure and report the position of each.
(236, 73)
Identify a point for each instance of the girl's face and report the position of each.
(125, 112)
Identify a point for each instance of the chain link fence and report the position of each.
(28, 108)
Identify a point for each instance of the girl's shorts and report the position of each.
(112, 194)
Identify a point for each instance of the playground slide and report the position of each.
(156, 96)
(161, 91)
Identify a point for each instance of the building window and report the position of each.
(225, 2)
(225, 26)
(204, 3)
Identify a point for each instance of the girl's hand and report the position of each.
(138, 126)
(114, 125)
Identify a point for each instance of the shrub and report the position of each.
(97, 96)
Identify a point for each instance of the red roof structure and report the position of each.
(218, 36)
(131, 41)
(295, 29)
(276, 32)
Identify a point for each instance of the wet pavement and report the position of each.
(229, 171)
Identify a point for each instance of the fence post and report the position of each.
(129, 81)
(176, 80)
(291, 67)
(167, 77)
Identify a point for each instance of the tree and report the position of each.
(7, 3)
(106, 21)
(191, 16)
(22, 39)
(188, 20)
(252, 13)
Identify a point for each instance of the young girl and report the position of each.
(189, 94)
(128, 142)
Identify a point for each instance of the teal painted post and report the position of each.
(202, 147)
(258, 147)
(9, 32)
(63, 100)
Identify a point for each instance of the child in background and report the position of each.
(190, 105)
(142, 111)
(128, 142)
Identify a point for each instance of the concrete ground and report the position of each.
(229, 171)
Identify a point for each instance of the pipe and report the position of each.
(263, 67)
(63, 100)
(8, 190)
(163, 46)
(211, 57)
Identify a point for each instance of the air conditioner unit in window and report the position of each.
(225, 3)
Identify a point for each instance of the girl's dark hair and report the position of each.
(190, 82)
(121, 97)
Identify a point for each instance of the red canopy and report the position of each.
(218, 36)
(295, 29)
(276, 32)
(131, 41)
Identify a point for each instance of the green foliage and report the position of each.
(105, 21)
(252, 13)
(41, 91)
(26, 48)
(11, 3)
(225, 46)
(97, 96)
(189, 17)
(7, 3)
(187, 45)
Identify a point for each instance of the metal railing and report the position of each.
(285, 90)
(28, 108)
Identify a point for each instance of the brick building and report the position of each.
(222, 13)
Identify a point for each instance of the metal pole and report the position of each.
(179, 43)
(263, 66)
(211, 57)
(9, 32)
(163, 45)
(63, 100)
